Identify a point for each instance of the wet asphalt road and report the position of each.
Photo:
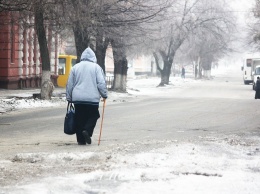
(217, 107)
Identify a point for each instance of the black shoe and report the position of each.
(80, 143)
(87, 137)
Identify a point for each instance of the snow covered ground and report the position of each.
(229, 164)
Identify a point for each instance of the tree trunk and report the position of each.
(81, 40)
(120, 67)
(165, 73)
(196, 68)
(101, 48)
(166, 70)
(206, 66)
(81, 35)
(47, 86)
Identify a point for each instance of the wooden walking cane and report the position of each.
(102, 121)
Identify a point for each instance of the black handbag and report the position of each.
(69, 121)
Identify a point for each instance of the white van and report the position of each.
(256, 74)
(249, 63)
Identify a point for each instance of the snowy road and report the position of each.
(192, 137)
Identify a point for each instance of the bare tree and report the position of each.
(205, 48)
(98, 23)
(47, 86)
(45, 15)
(253, 37)
(183, 20)
(131, 17)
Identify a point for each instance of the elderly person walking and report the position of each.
(86, 85)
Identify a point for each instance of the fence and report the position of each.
(109, 81)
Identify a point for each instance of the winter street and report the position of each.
(193, 136)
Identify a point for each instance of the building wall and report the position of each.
(20, 63)
(8, 56)
(143, 65)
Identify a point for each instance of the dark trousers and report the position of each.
(257, 94)
(86, 117)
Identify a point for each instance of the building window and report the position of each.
(62, 66)
(248, 62)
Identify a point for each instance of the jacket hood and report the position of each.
(88, 55)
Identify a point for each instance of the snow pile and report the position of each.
(22, 103)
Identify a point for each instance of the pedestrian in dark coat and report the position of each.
(183, 72)
(257, 88)
(86, 85)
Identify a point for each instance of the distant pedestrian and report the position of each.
(86, 85)
(257, 88)
(183, 72)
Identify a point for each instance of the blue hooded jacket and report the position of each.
(86, 82)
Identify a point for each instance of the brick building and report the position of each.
(20, 62)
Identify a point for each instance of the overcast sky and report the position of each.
(242, 8)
